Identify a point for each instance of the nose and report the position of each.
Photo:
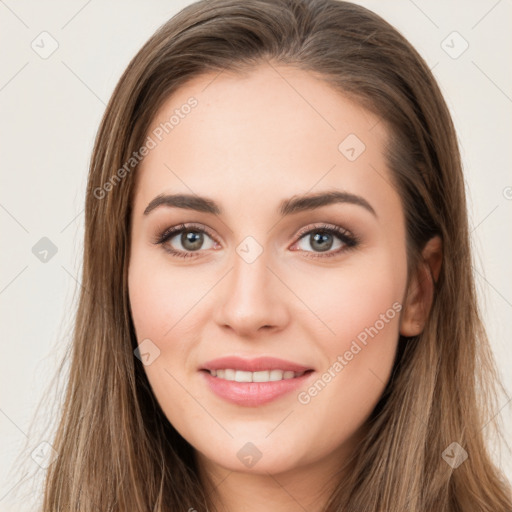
(252, 299)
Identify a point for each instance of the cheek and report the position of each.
(362, 312)
(362, 295)
(162, 297)
(162, 305)
(169, 306)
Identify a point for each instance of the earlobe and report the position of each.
(420, 293)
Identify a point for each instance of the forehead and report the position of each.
(275, 125)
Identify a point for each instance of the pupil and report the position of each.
(192, 240)
(321, 238)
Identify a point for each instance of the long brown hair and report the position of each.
(117, 450)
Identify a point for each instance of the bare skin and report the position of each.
(250, 143)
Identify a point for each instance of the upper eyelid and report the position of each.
(324, 226)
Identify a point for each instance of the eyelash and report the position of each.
(349, 240)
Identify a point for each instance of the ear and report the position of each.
(420, 292)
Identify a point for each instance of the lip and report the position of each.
(254, 365)
(253, 394)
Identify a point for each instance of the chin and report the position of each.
(258, 457)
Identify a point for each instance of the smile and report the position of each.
(236, 388)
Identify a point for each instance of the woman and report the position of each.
(221, 360)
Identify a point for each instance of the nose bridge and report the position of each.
(251, 298)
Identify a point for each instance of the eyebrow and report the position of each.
(290, 206)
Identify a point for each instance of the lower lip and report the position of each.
(252, 394)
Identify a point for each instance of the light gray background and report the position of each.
(51, 109)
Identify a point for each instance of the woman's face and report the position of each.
(260, 272)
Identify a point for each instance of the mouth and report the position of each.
(254, 382)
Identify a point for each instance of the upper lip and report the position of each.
(253, 365)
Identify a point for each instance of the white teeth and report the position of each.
(276, 375)
(260, 376)
(241, 376)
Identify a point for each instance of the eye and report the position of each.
(188, 238)
(185, 240)
(323, 238)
